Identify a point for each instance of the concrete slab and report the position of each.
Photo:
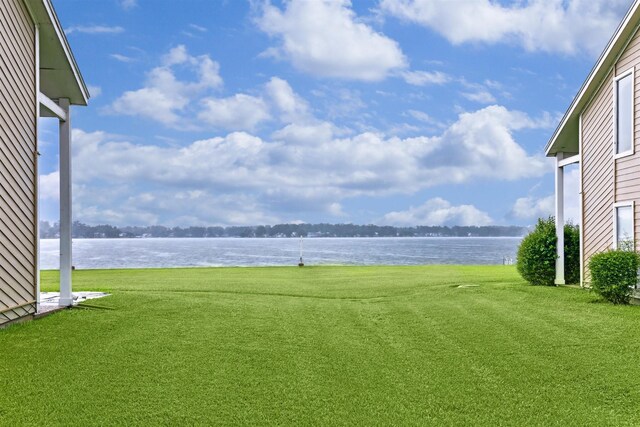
(49, 300)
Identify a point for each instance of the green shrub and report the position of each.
(614, 274)
(571, 254)
(537, 254)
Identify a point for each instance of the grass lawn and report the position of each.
(323, 345)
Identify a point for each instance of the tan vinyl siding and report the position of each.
(17, 162)
(598, 173)
(628, 168)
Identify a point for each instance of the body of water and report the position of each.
(217, 252)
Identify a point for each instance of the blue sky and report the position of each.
(398, 112)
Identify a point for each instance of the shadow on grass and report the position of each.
(599, 301)
(92, 307)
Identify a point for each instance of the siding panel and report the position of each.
(630, 56)
(627, 173)
(21, 35)
(598, 173)
(17, 162)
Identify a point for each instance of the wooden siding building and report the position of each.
(38, 78)
(601, 132)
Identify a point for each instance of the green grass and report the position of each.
(324, 345)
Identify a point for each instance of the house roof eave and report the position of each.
(60, 76)
(565, 137)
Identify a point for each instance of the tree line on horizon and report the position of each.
(80, 230)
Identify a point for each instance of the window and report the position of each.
(624, 114)
(623, 226)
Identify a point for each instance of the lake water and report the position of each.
(158, 252)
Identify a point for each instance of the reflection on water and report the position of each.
(138, 253)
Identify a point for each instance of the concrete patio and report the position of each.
(50, 301)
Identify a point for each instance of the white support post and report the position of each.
(37, 161)
(560, 219)
(581, 203)
(66, 295)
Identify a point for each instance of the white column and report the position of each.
(37, 164)
(560, 220)
(581, 203)
(66, 296)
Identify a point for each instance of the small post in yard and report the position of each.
(301, 263)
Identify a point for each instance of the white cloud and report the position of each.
(165, 97)
(565, 26)
(473, 147)
(311, 134)
(481, 96)
(335, 209)
(399, 129)
(423, 78)
(94, 29)
(325, 38)
(238, 112)
(188, 104)
(176, 55)
(493, 84)
(128, 4)
(123, 215)
(420, 115)
(423, 117)
(122, 58)
(303, 168)
(49, 188)
(94, 90)
(532, 207)
(291, 106)
(342, 102)
(198, 28)
(207, 70)
(482, 93)
(438, 211)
